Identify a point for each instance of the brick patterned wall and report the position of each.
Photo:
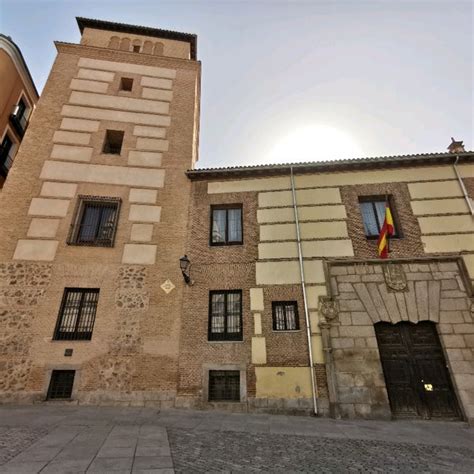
(409, 245)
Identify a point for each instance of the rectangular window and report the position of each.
(136, 48)
(96, 221)
(6, 155)
(61, 383)
(19, 117)
(226, 225)
(113, 142)
(285, 316)
(126, 84)
(224, 385)
(373, 215)
(77, 314)
(225, 315)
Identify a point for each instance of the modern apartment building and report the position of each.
(18, 97)
(282, 303)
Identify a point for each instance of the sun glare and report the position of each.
(314, 143)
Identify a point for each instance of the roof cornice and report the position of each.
(140, 30)
(12, 49)
(424, 159)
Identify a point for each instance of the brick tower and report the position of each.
(93, 221)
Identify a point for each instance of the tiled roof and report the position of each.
(334, 165)
(139, 30)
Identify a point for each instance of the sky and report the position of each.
(290, 81)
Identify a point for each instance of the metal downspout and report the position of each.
(464, 190)
(305, 300)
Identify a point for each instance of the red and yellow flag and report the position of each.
(385, 232)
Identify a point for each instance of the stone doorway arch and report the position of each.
(363, 293)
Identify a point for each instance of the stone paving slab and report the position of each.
(71, 439)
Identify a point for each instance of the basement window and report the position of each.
(60, 385)
(126, 84)
(113, 142)
(224, 385)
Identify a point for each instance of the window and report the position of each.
(96, 221)
(77, 314)
(285, 316)
(19, 117)
(226, 225)
(136, 48)
(113, 142)
(6, 155)
(126, 84)
(224, 385)
(225, 315)
(60, 385)
(373, 215)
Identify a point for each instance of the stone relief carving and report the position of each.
(328, 308)
(395, 277)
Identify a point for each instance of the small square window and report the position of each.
(372, 209)
(285, 316)
(226, 225)
(126, 84)
(61, 383)
(113, 142)
(136, 48)
(224, 385)
(95, 223)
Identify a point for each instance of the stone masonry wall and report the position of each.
(430, 290)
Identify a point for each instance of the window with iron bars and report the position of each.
(224, 385)
(285, 316)
(77, 314)
(6, 155)
(96, 221)
(61, 383)
(225, 315)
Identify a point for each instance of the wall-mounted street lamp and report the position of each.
(185, 266)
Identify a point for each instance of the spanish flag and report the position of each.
(385, 233)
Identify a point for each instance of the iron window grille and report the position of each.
(6, 158)
(226, 225)
(61, 383)
(372, 209)
(113, 142)
(225, 315)
(224, 385)
(77, 314)
(285, 316)
(96, 221)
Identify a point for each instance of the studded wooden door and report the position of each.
(415, 371)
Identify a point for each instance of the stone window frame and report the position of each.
(75, 387)
(293, 303)
(393, 209)
(78, 215)
(226, 207)
(205, 381)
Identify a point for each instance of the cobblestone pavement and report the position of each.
(204, 451)
(14, 440)
(55, 438)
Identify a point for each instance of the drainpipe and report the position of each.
(305, 300)
(464, 190)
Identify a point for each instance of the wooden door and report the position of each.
(415, 371)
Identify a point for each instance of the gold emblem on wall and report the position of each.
(395, 277)
(168, 286)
